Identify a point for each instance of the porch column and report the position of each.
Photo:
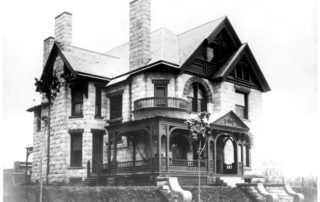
(235, 146)
(215, 156)
(134, 150)
(208, 155)
(115, 151)
(110, 136)
(151, 145)
(242, 163)
(159, 151)
(168, 144)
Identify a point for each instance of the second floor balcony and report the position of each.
(162, 106)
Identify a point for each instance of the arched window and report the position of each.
(198, 98)
(228, 152)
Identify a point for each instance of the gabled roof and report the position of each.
(164, 47)
(228, 67)
(89, 62)
(167, 48)
(190, 40)
(229, 121)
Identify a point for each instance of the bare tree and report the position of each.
(199, 131)
(50, 89)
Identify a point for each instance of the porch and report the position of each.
(161, 146)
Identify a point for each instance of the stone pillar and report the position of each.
(139, 42)
(87, 147)
(63, 29)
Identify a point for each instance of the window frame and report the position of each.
(111, 100)
(76, 163)
(160, 83)
(245, 107)
(38, 120)
(74, 102)
(98, 102)
(195, 100)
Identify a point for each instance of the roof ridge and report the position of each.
(156, 30)
(201, 25)
(93, 51)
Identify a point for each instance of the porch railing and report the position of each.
(185, 165)
(152, 165)
(130, 166)
(170, 102)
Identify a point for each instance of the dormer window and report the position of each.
(209, 53)
(242, 72)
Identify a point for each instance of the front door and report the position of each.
(97, 152)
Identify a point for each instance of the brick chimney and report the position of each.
(47, 46)
(139, 42)
(63, 28)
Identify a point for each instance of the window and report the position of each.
(242, 72)
(242, 105)
(38, 119)
(209, 54)
(116, 106)
(98, 102)
(160, 92)
(247, 156)
(76, 150)
(77, 102)
(198, 98)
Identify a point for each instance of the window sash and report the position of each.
(38, 120)
(199, 101)
(98, 102)
(76, 150)
(241, 105)
(116, 106)
(77, 102)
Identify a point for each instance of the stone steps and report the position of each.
(270, 192)
(88, 181)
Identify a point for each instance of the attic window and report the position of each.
(209, 53)
(242, 72)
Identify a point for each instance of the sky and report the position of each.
(281, 35)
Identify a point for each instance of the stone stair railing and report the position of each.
(270, 192)
(170, 188)
(257, 192)
(284, 192)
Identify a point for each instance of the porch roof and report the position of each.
(228, 121)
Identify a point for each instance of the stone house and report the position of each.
(124, 110)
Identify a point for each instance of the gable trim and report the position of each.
(224, 24)
(242, 126)
(244, 51)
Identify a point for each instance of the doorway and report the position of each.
(97, 152)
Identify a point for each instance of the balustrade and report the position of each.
(169, 102)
